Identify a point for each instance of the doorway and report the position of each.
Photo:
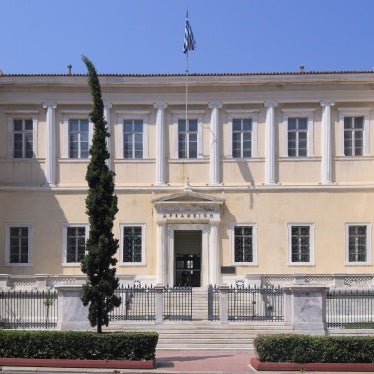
(187, 249)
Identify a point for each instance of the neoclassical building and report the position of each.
(261, 178)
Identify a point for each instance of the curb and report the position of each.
(92, 364)
(311, 366)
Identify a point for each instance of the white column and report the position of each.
(214, 255)
(161, 253)
(215, 138)
(326, 166)
(270, 132)
(160, 144)
(50, 159)
(107, 108)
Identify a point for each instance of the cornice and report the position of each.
(271, 188)
(194, 79)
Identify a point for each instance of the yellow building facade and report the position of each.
(260, 178)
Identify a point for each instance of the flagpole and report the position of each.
(189, 44)
(187, 71)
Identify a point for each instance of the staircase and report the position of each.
(201, 333)
(205, 335)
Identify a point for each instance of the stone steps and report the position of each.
(204, 334)
(201, 333)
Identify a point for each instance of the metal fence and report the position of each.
(28, 309)
(350, 309)
(213, 303)
(177, 303)
(138, 304)
(255, 304)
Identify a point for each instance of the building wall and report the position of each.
(298, 195)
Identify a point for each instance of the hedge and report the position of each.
(307, 348)
(78, 345)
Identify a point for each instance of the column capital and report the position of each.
(327, 102)
(270, 104)
(215, 105)
(160, 105)
(51, 104)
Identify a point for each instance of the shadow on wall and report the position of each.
(248, 178)
(32, 218)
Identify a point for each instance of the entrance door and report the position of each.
(187, 249)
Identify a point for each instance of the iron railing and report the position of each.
(177, 303)
(28, 309)
(213, 303)
(138, 304)
(255, 304)
(350, 309)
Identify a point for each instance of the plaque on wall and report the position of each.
(228, 269)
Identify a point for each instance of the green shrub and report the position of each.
(78, 345)
(311, 348)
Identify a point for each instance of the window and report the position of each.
(301, 243)
(131, 135)
(241, 133)
(78, 138)
(244, 244)
(187, 138)
(18, 244)
(354, 132)
(297, 136)
(358, 243)
(188, 135)
(74, 242)
(23, 138)
(132, 244)
(133, 138)
(298, 132)
(242, 138)
(353, 136)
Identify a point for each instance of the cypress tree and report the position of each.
(101, 208)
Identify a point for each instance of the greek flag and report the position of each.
(189, 40)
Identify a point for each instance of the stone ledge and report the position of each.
(60, 363)
(309, 366)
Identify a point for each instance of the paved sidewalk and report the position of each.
(169, 362)
(176, 362)
(203, 362)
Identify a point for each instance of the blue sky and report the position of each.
(146, 36)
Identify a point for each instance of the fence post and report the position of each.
(224, 303)
(159, 289)
(305, 308)
(4, 281)
(41, 281)
(72, 315)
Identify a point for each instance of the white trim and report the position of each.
(254, 244)
(192, 114)
(8, 226)
(143, 261)
(368, 243)
(23, 115)
(270, 141)
(243, 114)
(78, 115)
(64, 241)
(21, 112)
(169, 277)
(299, 113)
(131, 115)
(311, 243)
(354, 112)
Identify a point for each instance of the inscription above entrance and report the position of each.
(188, 216)
(188, 207)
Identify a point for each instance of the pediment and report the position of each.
(186, 197)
